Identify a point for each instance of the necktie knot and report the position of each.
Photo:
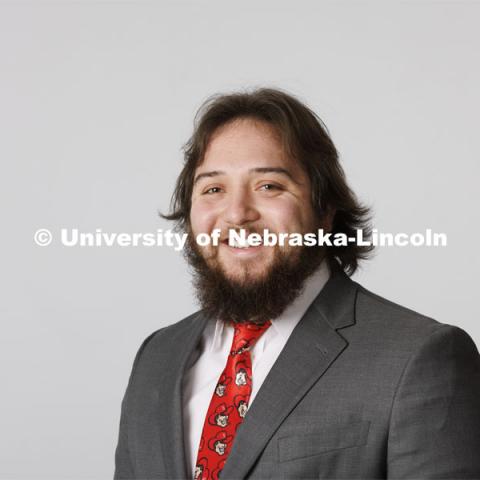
(246, 334)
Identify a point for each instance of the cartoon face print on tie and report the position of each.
(222, 384)
(220, 391)
(242, 409)
(220, 442)
(241, 377)
(220, 415)
(221, 420)
(201, 470)
(198, 472)
(241, 404)
(241, 374)
(220, 447)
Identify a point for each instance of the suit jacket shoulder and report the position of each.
(394, 323)
(170, 333)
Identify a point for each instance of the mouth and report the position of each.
(240, 249)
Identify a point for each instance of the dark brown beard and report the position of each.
(253, 300)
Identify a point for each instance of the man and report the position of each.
(290, 369)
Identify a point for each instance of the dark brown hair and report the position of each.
(305, 138)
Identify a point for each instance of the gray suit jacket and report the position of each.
(364, 388)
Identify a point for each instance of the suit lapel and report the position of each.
(312, 347)
(171, 430)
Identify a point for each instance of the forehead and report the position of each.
(245, 143)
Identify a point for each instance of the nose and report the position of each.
(240, 209)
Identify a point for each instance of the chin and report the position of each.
(245, 274)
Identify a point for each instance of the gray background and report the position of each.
(97, 99)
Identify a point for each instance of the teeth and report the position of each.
(238, 243)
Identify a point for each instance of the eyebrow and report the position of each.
(215, 173)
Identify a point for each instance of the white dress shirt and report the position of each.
(201, 378)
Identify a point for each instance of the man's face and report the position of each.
(248, 181)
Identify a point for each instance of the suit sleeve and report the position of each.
(435, 419)
(124, 468)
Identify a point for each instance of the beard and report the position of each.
(251, 299)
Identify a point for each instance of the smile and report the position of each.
(241, 250)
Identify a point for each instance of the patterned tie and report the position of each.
(229, 403)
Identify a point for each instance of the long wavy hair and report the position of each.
(306, 140)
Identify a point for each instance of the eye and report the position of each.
(266, 187)
(211, 190)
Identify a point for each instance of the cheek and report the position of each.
(285, 215)
(202, 217)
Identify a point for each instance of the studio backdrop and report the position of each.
(97, 100)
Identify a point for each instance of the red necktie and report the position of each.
(229, 403)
